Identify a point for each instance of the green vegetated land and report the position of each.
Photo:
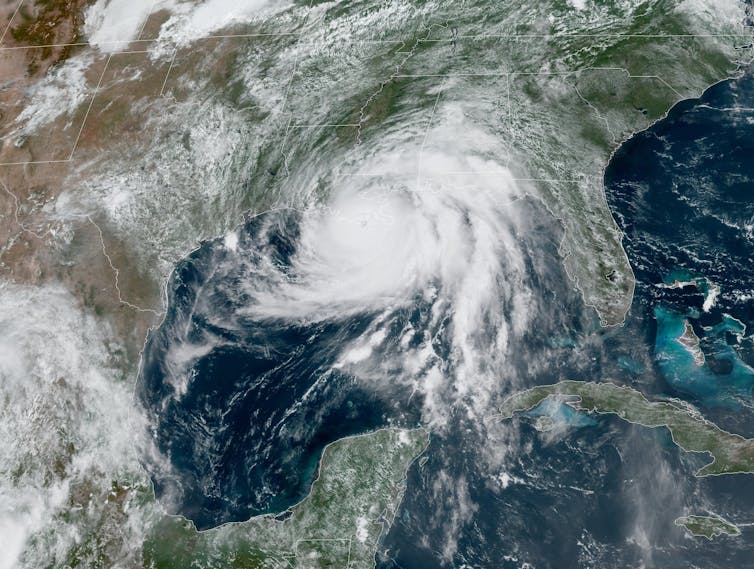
(731, 453)
(359, 488)
(707, 526)
(556, 88)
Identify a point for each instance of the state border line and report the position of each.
(508, 74)
(10, 22)
(388, 41)
(81, 128)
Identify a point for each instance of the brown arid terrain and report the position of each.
(47, 31)
(39, 36)
(126, 144)
(106, 108)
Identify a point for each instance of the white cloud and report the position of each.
(66, 419)
(578, 4)
(438, 220)
(59, 93)
(111, 23)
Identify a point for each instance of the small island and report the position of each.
(707, 526)
(731, 453)
(690, 341)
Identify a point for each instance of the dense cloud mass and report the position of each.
(345, 216)
(68, 425)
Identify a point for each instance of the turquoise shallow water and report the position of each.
(728, 383)
(683, 192)
(592, 491)
(561, 415)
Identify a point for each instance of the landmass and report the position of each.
(118, 157)
(680, 279)
(707, 526)
(690, 341)
(42, 33)
(354, 499)
(730, 453)
(109, 124)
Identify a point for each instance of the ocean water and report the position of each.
(605, 494)
(243, 395)
(242, 407)
(242, 401)
(683, 193)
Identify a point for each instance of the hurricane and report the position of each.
(392, 285)
(394, 288)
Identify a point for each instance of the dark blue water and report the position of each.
(242, 406)
(262, 396)
(244, 435)
(606, 494)
(595, 496)
(683, 192)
